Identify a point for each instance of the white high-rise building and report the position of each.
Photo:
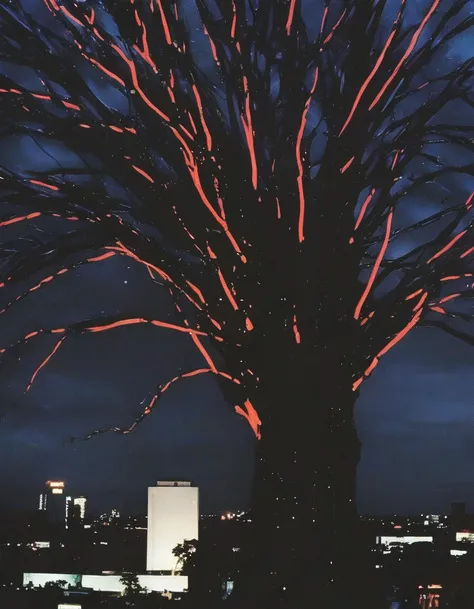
(81, 502)
(173, 516)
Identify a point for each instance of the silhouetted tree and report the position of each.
(297, 198)
(131, 584)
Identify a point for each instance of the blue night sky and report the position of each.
(415, 415)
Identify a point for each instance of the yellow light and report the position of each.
(57, 491)
(55, 484)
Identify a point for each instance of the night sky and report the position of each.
(415, 415)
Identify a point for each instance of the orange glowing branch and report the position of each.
(407, 53)
(31, 335)
(377, 264)
(296, 331)
(467, 252)
(299, 159)
(395, 159)
(347, 165)
(367, 81)
(71, 16)
(363, 209)
(233, 27)
(43, 363)
(70, 105)
(197, 291)
(448, 298)
(20, 218)
(43, 184)
(402, 333)
(323, 20)
(291, 16)
(469, 202)
(204, 353)
(141, 320)
(51, 277)
(227, 291)
(203, 120)
(249, 133)
(146, 175)
(252, 417)
(136, 84)
(413, 294)
(448, 246)
(338, 22)
(194, 173)
(122, 249)
(397, 338)
(105, 70)
(213, 47)
(164, 22)
(145, 52)
(156, 397)
(419, 304)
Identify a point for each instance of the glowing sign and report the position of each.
(57, 491)
(56, 484)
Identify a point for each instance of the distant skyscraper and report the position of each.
(81, 502)
(53, 501)
(173, 516)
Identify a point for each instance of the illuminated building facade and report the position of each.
(53, 501)
(173, 516)
(81, 502)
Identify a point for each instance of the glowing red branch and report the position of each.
(291, 15)
(331, 33)
(299, 159)
(407, 53)
(296, 331)
(136, 84)
(164, 22)
(141, 320)
(144, 174)
(377, 264)
(252, 417)
(227, 291)
(397, 338)
(213, 47)
(43, 363)
(203, 120)
(467, 252)
(249, 134)
(20, 218)
(448, 246)
(323, 20)
(43, 184)
(448, 298)
(363, 209)
(368, 81)
(469, 202)
(347, 165)
(161, 390)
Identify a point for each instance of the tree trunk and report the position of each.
(306, 546)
